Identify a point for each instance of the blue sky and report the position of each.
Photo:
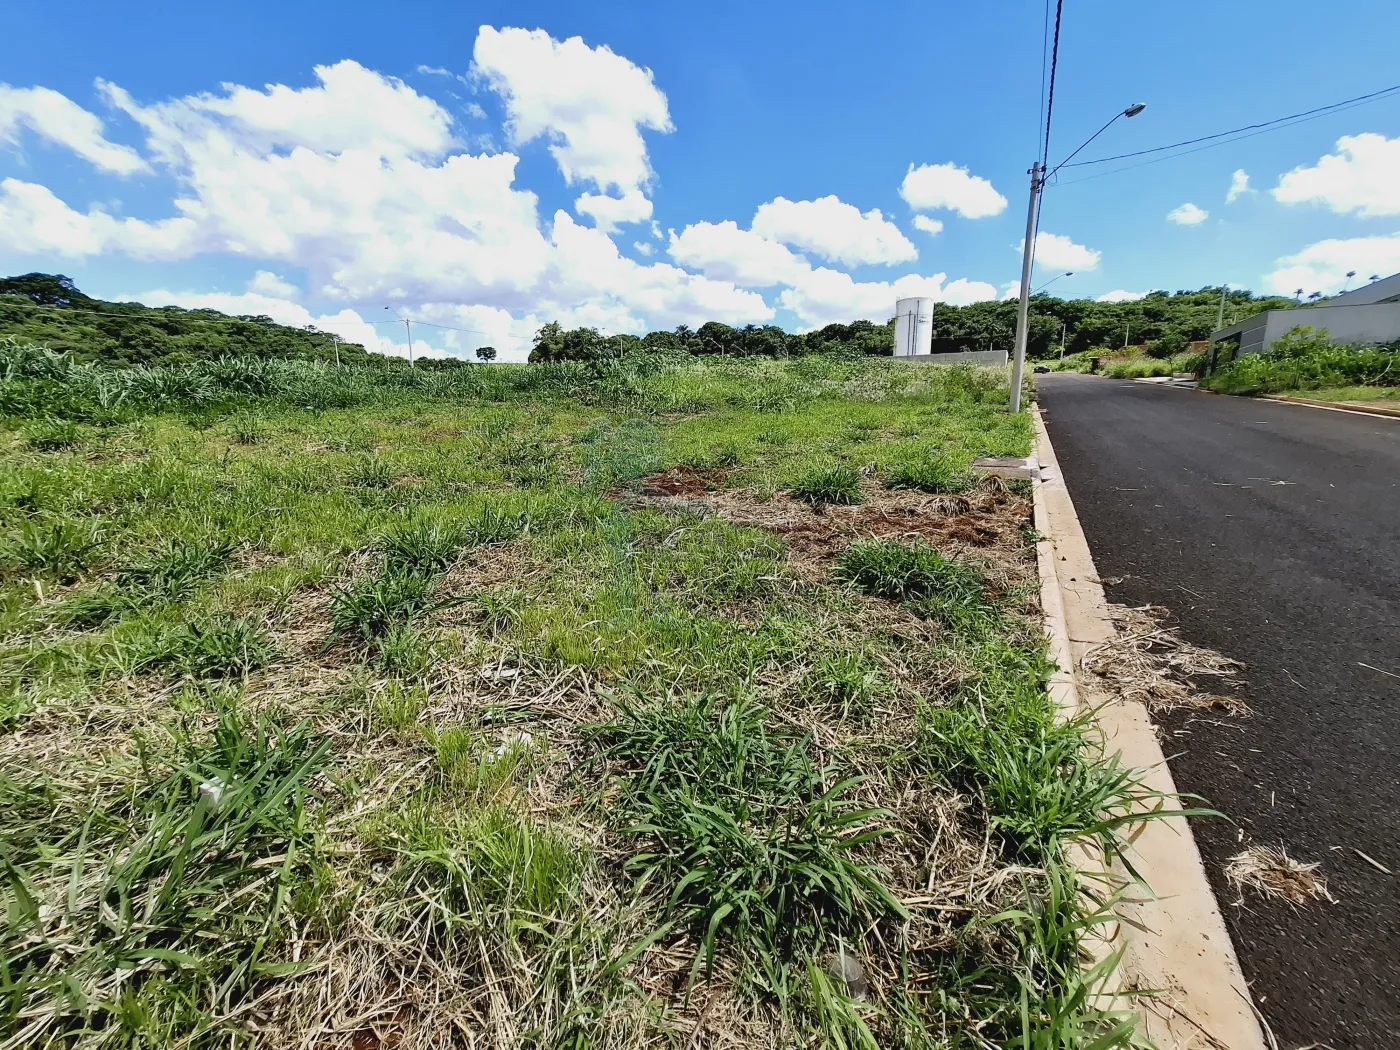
(458, 174)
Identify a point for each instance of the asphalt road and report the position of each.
(1272, 533)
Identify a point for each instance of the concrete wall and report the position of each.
(1377, 323)
(971, 357)
(1363, 325)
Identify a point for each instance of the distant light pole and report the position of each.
(1039, 177)
(407, 328)
(1064, 327)
(335, 342)
(1220, 317)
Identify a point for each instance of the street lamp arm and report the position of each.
(1131, 111)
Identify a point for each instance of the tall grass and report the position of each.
(1307, 359)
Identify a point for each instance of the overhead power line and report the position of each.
(1267, 125)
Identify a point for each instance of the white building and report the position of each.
(1365, 317)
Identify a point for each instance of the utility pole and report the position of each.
(407, 328)
(1018, 365)
(1063, 328)
(1220, 317)
(1125, 334)
(335, 342)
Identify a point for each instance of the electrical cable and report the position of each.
(1050, 101)
(1268, 124)
(1274, 126)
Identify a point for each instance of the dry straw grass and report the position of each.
(1273, 874)
(1149, 662)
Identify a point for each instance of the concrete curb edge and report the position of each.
(1173, 940)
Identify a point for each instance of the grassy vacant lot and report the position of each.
(619, 706)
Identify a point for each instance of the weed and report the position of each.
(931, 473)
(746, 840)
(173, 569)
(372, 473)
(934, 585)
(372, 605)
(838, 485)
(60, 547)
(134, 938)
(421, 547)
(216, 647)
(850, 680)
(53, 435)
(404, 651)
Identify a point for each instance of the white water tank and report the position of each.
(913, 326)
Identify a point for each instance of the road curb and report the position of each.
(1336, 406)
(1172, 938)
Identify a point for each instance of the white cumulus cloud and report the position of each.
(1239, 186)
(63, 122)
(1363, 176)
(835, 230)
(929, 226)
(1061, 253)
(725, 252)
(265, 282)
(1118, 295)
(824, 295)
(358, 182)
(590, 103)
(1323, 267)
(609, 212)
(1188, 214)
(948, 186)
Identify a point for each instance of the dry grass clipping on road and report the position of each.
(1272, 873)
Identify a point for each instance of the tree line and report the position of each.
(48, 309)
(1164, 322)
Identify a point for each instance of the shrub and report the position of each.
(838, 484)
(1306, 359)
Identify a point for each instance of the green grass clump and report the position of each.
(838, 485)
(120, 929)
(916, 574)
(746, 839)
(372, 605)
(850, 680)
(53, 435)
(932, 473)
(216, 647)
(57, 546)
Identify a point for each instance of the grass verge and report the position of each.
(549, 706)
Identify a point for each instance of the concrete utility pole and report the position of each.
(1063, 328)
(1125, 334)
(407, 328)
(1220, 318)
(1039, 176)
(335, 342)
(1018, 365)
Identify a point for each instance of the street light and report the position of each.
(1047, 284)
(1038, 179)
(407, 328)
